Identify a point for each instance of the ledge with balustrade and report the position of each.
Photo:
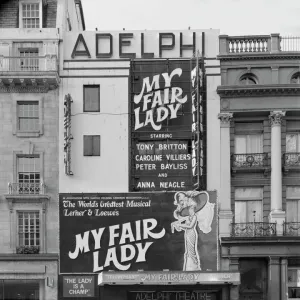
(34, 73)
(27, 192)
(250, 162)
(258, 46)
(291, 162)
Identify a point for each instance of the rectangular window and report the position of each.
(29, 59)
(29, 228)
(28, 116)
(251, 143)
(293, 283)
(31, 15)
(248, 205)
(293, 204)
(91, 145)
(293, 142)
(91, 98)
(28, 169)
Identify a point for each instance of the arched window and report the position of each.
(247, 79)
(296, 78)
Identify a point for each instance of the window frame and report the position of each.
(18, 212)
(292, 198)
(34, 182)
(244, 200)
(297, 133)
(94, 86)
(92, 137)
(247, 137)
(19, 103)
(248, 77)
(21, 3)
(295, 76)
(28, 98)
(29, 63)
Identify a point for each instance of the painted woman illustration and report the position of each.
(193, 208)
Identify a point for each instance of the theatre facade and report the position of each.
(136, 110)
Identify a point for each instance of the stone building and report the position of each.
(30, 33)
(260, 164)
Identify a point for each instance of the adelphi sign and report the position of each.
(136, 44)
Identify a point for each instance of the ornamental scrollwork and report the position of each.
(275, 117)
(225, 118)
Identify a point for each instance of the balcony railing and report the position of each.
(291, 229)
(249, 160)
(26, 188)
(291, 159)
(290, 43)
(258, 44)
(246, 44)
(253, 229)
(28, 64)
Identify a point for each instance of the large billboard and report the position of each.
(138, 231)
(161, 125)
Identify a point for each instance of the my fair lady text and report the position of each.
(120, 236)
(162, 102)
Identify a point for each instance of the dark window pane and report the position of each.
(87, 145)
(91, 98)
(96, 145)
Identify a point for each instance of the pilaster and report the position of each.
(225, 215)
(274, 279)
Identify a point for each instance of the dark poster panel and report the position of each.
(161, 106)
(133, 231)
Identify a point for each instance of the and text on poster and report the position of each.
(161, 126)
(78, 286)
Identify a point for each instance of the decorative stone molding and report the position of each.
(275, 117)
(26, 89)
(225, 119)
(237, 91)
(258, 56)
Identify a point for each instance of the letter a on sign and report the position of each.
(80, 43)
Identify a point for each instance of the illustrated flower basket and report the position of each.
(28, 250)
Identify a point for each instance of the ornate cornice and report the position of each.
(27, 89)
(41, 82)
(259, 56)
(258, 90)
(275, 117)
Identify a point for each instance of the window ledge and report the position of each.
(28, 133)
(42, 256)
(26, 198)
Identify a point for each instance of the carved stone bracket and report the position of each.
(23, 83)
(225, 119)
(276, 117)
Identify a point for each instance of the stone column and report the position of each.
(284, 279)
(234, 289)
(225, 214)
(276, 214)
(274, 279)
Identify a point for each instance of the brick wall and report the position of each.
(49, 14)
(9, 14)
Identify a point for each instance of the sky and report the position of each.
(232, 17)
